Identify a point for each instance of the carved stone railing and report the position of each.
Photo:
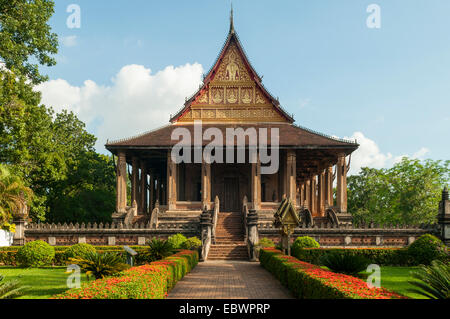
(131, 214)
(252, 234)
(244, 215)
(371, 235)
(154, 216)
(206, 227)
(215, 217)
(306, 217)
(332, 216)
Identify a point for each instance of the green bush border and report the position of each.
(308, 281)
(152, 281)
(379, 256)
(8, 255)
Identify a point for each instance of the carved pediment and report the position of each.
(232, 92)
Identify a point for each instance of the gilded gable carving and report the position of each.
(232, 67)
(235, 114)
(217, 95)
(232, 95)
(246, 95)
(259, 98)
(204, 98)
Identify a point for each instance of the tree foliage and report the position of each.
(51, 152)
(406, 194)
(87, 194)
(13, 195)
(24, 35)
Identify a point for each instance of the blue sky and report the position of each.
(326, 66)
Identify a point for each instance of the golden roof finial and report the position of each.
(231, 19)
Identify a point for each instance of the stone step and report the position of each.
(227, 258)
(227, 254)
(231, 248)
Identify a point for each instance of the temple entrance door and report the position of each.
(230, 201)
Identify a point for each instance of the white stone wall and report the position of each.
(6, 238)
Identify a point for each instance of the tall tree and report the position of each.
(25, 35)
(406, 194)
(88, 192)
(52, 153)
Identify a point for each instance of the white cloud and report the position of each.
(304, 102)
(69, 41)
(369, 155)
(136, 101)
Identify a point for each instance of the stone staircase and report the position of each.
(230, 235)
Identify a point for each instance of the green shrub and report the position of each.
(379, 256)
(177, 241)
(433, 281)
(307, 281)
(152, 281)
(192, 243)
(159, 249)
(99, 265)
(427, 248)
(265, 243)
(304, 242)
(79, 250)
(35, 254)
(8, 255)
(345, 263)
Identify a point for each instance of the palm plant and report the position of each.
(13, 195)
(433, 280)
(159, 249)
(10, 289)
(99, 265)
(346, 263)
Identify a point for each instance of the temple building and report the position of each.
(232, 96)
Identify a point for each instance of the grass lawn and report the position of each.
(43, 282)
(396, 279)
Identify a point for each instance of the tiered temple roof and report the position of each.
(232, 95)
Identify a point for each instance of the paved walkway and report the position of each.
(229, 280)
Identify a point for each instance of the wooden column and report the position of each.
(307, 194)
(121, 179)
(206, 184)
(256, 182)
(321, 194)
(171, 182)
(341, 194)
(143, 189)
(151, 191)
(158, 189)
(312, 199)
(302, 193)
(291, 176)
(329, 186)
(134, 180)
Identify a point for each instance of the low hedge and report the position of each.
(379, 256)
(8, 255)
(308, 281)
(152, 281)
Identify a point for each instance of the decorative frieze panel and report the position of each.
(220, 114)
(246, 95)
(217, 95)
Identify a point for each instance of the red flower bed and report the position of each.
(309, 281)
(152, 281)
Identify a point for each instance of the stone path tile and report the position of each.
(229, 280)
